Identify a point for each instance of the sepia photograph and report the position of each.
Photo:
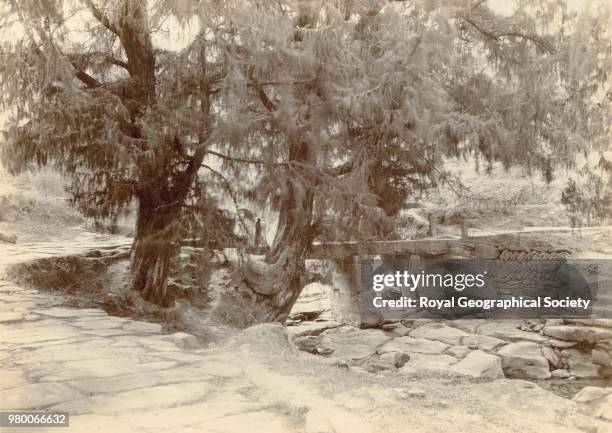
(305, 216)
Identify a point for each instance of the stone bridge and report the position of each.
(517, 247)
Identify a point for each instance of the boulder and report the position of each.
(410, 344)
(560, 373)
(184, 340)
(267, 338)
(587, 334)
(602, 355)
(605, 409)
(479, 364)
(551, 356)
(591, 393)
(397, 359)
(580, 364)
(440, 332)
(524, 360)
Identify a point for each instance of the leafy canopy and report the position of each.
(377, 94)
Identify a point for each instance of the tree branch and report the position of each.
(101, 17)
(247, 160)
(230, 191)
(496, 35)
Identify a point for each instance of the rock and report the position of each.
(144, 327)
(184, 340)
(376, 365)
(37, 395)
(268, 338)
(145, 398)
(561, 344)
(415, 393)
(587, 334)
(602, 323)
(483, 342)
(313, 301)
(551, 356)
(70, 312)
(486, 251)
(591, 393)
(353, 344)
(524, 360)
(439, 332)
(602, 355)
(479, 364)
(605, 410)
(397, 359)
(508, 330)
(303, 329)
(458, 351)
(11, 239)
(421, 362)
(580, 364)
(560, 374)
(468, 325)
(410, 344)
(10, 317)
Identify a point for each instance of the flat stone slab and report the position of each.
(440, 332)
(353, 344)
(145, 398)
(88, 350)
(508, 330)
(421, 363)
(97, 368)
(479, 364)
(142, 327)
(70, 312)
(312, 328)
(37, 334)
(591, 393)
(482, 342)
(411, 344)
(146, 379)
(588, 334)
(169, 419)
(37, 395)
(12, 378)
(8, 317)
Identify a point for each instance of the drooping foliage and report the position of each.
(331, 112)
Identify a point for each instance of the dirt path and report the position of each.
(120, 375)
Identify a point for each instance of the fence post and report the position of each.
(464, 229)
(432, 224)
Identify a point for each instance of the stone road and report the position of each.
(112, 373)
(117, 375)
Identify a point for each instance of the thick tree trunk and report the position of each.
(276, 282)
(155, 245)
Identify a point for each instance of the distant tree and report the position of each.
(588, 199)
(330, 112)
